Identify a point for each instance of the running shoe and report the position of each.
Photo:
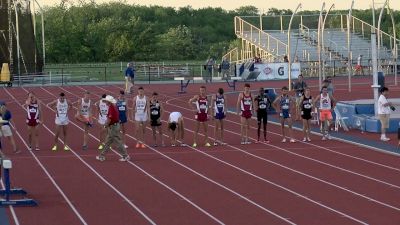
(385, 139)
(215, 143)
(173, 145)
(66, 148)
(323, 138)
(30, 148)
(54, 148)
(247, 142)
(84, 147)
(243, 143)
(266, 141)
(207, 144)
(137, 145)
(184, 145)
(194, 145)
(124, 159)
(283, 140)
(100, 158)
(142, 146)
(304, 139)
(125, 146)
(292, 140)
(329, 137)
(308, 139)
(101, 146)
(37, 148)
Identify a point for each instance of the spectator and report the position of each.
(257, 59)
(359, 68)
(285, 59)
(210, 67)
(129, 77)
(225, 68)
(331, 88)
(384, 108)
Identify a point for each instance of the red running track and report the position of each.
(318, 183)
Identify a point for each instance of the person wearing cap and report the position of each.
(176, 128)
(113, 135)
(129, 77)
(61, 106)
(5, 131)
(299, 88)
(84, 116)
(102, 109)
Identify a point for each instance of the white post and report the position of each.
(395, 53)
(349, 55)
(375, 85)
(18, 45)
(379, 34)
(288, 48)
(323, 41)
(319, 46)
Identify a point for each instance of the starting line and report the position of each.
(184, 82)
(6, 165)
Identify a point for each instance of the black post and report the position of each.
(105, 74)
(149, 74)
(62, 76)
(334, 68)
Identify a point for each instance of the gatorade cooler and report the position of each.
(5, 73)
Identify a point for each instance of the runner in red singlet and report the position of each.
(32, 120)
(202, 104)
(245, 110)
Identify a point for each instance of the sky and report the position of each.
(262, 5)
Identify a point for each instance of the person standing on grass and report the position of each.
(384, 107)
(5, 127)
(305, 109)
(326, 104)
(201, 115)
(140, 108)
(176, 128)
(219, 102)
(245, 110)
(129, 78)
(102, 109)
(33, 110)
(155, 114)
(261, 104)
(123, 119)
(113, 134)
(61, 106)
(283, 104)
(84, 116)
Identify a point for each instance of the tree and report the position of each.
(177, 43)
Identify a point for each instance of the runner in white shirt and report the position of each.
(140, 111)
(384, 108)
(61, 105)
(84, 116)
(176, 128)
(102, 110)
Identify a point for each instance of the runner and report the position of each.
(305, 109)
(283, 105)
(219, 102)
(262, 103)
(102, 109)
(140, 107)
(129, 78)
(326, 104)
(245, 109)
(84, 116)
(176, 128)
(5, 127)
(201, 116)
(155, 114)
(33, 110)
(61, 105)
(123, 119)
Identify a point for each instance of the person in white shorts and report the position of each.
(102, 109)
(5, 127)
(61, 106)
(176, 128)
(140, 111)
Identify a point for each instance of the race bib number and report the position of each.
(121, 108)
(285, 107)
(154, 112)
(308, 106)
(263, 107)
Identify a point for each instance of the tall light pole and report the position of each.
(323, 40)
(289, 56)
(379, 33)
(375, 85)
(43, 40)
(18, 44)
(319, 46)
(349, 56)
